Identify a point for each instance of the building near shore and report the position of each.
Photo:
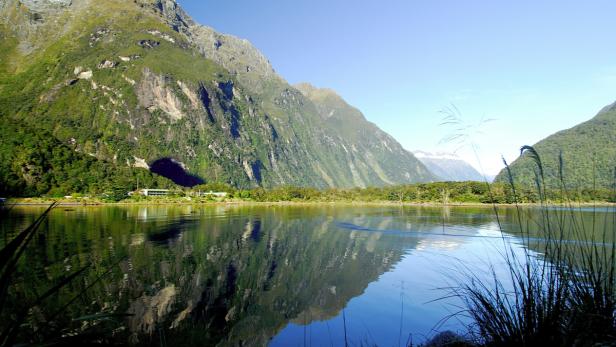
(211, 193)
(154, 192)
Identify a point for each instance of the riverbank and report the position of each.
(436, 193)
(239, 202)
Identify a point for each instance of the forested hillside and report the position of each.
(588, 153)
(122, 84)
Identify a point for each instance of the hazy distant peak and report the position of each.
(448, 166)
(436, 155)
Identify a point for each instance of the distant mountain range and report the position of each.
(449, 167)
(588, 156)
(94, 92)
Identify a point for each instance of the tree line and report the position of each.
(435, 192)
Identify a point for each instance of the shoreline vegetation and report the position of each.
(422, 194)
(157, 201)
(563, 295)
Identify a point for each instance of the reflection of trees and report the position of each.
(435, 227)
(576, 223)
(224, 275)
(575, 229)
(211, 276)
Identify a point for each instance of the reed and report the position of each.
(14, 328)
(566, 297)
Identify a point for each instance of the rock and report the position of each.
(124, 59)
(141, 163)
(86, 75)
(192, 96)
(98, 35)
(148, 44)
(45, 5)
(130, 81)
(163, 36)
(238, 56)
(174, 15)
(231, 314)
(155, 93)
(107, 64)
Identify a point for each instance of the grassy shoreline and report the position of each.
(240, 202)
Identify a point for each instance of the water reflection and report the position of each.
(231, 276)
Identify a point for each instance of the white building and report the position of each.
(210, 193)
(155, 192)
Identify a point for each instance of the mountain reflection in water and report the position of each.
(230, 276)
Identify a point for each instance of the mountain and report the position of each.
(127, 83)
(448, 167)
(588, 155)
(373, 155)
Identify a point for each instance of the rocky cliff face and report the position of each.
(132, 82)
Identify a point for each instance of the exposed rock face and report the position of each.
(81, 74)
(174, 15)
(107, 64)
(148, 44)
(188, 93)
(238, 56)
(156, 94)
(45, 5)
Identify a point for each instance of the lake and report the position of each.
(268, 275)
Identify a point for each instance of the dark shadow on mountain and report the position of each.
(171, 169)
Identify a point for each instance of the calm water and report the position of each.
(283, 276)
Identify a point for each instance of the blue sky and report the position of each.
(535, 67)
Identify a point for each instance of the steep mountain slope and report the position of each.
(374, 155)
(588, 155)
(128, 83)
(448, 167)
